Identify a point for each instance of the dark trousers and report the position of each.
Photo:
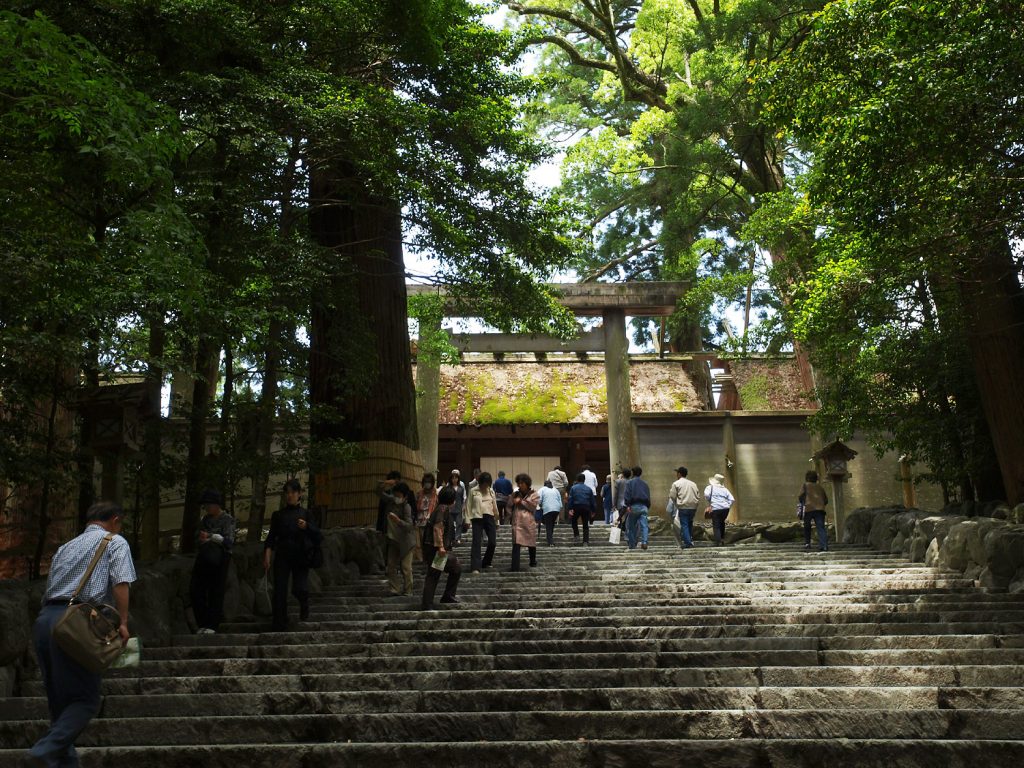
(298, 571)
(718, 525)
(482, 526)
(452, 568)
(516, 549)
(206, 590)
(581, 516)
(549, 526)
(818, 518)
(72, 693)
(502, 511)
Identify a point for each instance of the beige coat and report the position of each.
(481, 503)
(524, 524)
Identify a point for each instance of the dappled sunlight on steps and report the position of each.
(759, 655)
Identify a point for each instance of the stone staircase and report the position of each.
(753, 655)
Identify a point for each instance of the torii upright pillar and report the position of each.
(622, 442)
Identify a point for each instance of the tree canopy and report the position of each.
(219, 194)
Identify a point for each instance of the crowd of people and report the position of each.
(429, 526)
(426, 526)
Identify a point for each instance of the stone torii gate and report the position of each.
(612, 302)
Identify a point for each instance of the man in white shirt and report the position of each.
(685, 495)
(589, 478)
(550, 506)
(560, 482)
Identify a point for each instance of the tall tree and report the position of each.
(673, 179)
(913, 117)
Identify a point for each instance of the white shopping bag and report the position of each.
(615, 535)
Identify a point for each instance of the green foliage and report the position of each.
(908, 112)
(675, 157)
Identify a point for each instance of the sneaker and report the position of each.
(453, 600)
(477, 572)
(205, 631)
(643, 546)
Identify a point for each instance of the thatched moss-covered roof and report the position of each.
(529, 392)
(770, 385)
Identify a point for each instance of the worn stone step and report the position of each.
(673, 614)
(624, 658)
(971, 676)
(752, 752)
(596, 699)
(309, 632)
(486, 642)
(535, 726)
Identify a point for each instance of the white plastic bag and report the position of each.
(262, 605)
(615, 535)
(131, 656)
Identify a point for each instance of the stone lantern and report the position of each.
(836, 456)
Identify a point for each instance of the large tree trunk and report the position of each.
(360, 362)
(994, 310)
(265, 428)
(207, 364)
(361, 387)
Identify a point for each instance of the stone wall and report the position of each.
(770, 452)
(160, 602)
(986, 545)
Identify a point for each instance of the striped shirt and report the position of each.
(72, 560)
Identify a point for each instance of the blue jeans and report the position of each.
(686, 525)
(637, 519)
(818, 516)
(72, 693)
(608, 512)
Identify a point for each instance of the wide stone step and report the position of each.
(653, 625)
(713, 753)
(679, 605)
(971, 676)
(624, 658)
(597, 699)
(536, 726)
(535, 641)
(676, 615)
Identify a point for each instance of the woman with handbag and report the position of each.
(438, 537)
(720, 501)
(291, 539)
